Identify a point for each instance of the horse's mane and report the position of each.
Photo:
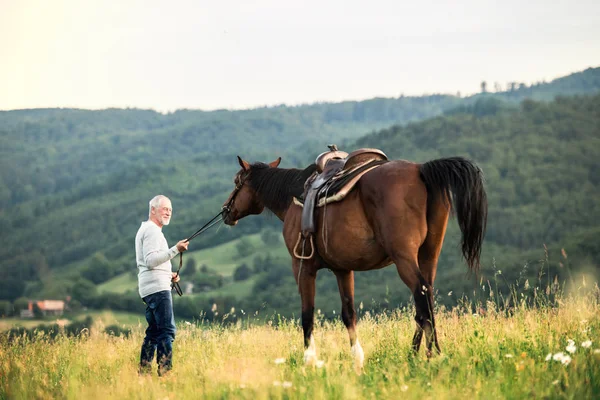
(277, 186)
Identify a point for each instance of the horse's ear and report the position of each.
(275, 163)
(244, 164)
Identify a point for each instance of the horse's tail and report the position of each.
(465, 180)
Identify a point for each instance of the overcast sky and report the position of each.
(214, 54)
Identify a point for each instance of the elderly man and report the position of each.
(155, 275)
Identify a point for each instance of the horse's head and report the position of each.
(243, 200)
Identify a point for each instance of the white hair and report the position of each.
(155, 202)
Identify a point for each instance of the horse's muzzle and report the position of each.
(227, 219)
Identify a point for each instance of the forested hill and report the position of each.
(74, 184)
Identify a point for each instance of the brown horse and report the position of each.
(397, 213)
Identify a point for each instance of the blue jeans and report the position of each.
(160, 332)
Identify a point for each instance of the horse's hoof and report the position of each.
(358, 355)
(310, 357)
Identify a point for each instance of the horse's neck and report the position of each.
(280, 198)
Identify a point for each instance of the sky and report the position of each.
(168, 55)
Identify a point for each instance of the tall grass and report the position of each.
(499, 351)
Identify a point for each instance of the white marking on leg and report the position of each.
(358, 354)
(310, 354)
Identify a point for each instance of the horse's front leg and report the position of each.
(306, 275)
(345, 281)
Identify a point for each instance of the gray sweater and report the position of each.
(153, 257)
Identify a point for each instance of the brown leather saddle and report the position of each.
(337, 173)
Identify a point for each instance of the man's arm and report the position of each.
(153, 255)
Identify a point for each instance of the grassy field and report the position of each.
(485, 355)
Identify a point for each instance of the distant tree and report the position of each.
(244, 247)
(190, 266)
(11, 288)
(204, 268)
(497, 87)
(99, 269)
(483, 87)
(242, 273)
(84, 291)
(20, 304)
(6, 308)
(270, 237)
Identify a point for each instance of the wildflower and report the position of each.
(566, 360)
(570, 342)
(450, 293)
(361, 305)
(320, 363)
(586, 344)
(232, 310)
(279, 360)
(508, 356)
(499, 272)
(596, 351)
(404, 388)
(571, 348)
(523, 355)
(555, 382)
(558, 356)
(287, 384)
(188, 323)
(214, 307)
(549, 357)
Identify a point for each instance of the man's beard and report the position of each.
(165, 221)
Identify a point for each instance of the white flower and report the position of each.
(570, 342)
(279, 360)
(287, 384)
(424, 288)
(499, 272)
(596, 351)
(571, 348)
(320, 363)
(232, 310)
(188, 323)
(214, 307)
(586, 344)
(555, 382)
(404, 388)
(566, 360)
(549, 357)
(558, 356)
(508, 355)
(450, 293)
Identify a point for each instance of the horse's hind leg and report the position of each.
(423, 294)
(429, 253)
(345, 281)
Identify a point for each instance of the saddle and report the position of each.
(337, 173)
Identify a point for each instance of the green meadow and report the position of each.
(548, 351)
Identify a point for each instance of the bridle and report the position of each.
(215, 220)
(238, 186)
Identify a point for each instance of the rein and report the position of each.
(215, 220)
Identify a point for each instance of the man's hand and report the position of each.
(182, 245)
(175, 277)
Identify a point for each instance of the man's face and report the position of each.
(163, 212)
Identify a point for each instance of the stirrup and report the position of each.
(312, 248)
